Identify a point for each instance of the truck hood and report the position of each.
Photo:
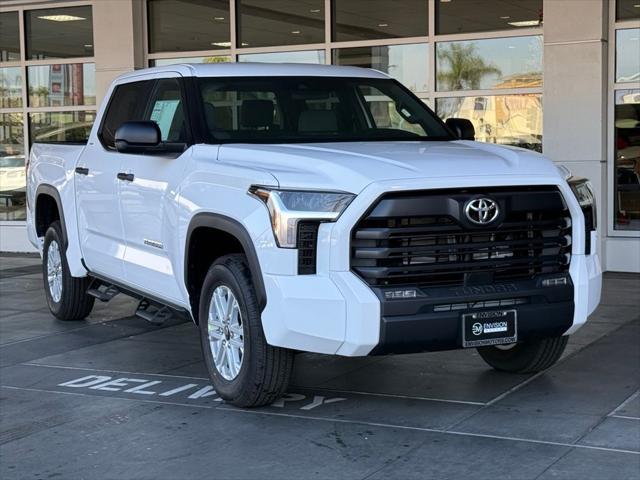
(354, 165)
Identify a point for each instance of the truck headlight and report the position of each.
(583, 192)
(289, 207)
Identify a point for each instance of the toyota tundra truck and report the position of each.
(301, 208)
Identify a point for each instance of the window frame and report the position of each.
(613, 87)
(23, 63)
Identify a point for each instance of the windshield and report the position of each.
(314, 109)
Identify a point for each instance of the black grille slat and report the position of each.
(307, 247)
(439, 248)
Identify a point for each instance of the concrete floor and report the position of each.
(440, 415)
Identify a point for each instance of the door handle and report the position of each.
(127, 177)
(82, 171)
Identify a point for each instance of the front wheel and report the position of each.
(66, 295)
(526, 357)
(243, 368)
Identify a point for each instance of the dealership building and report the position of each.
(560, 77)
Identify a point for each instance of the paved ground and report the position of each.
(114, 397)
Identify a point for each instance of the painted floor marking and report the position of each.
(294, 387)
(346, 421)
(631, 398)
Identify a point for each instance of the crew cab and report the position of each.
(300, 208)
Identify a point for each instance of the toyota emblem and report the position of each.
(482, 211)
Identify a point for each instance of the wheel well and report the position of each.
(46, 213)
(206, 245)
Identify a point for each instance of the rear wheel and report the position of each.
(66, 295)
(243, 368)
(527, 357)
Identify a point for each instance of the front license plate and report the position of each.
(489, 328)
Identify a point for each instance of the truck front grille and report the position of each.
(424, 238)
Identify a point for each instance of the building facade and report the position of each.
(560, 77)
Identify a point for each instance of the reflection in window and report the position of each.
(467, 16)
(9, 37)
(188, 25)
(59, 33)
(494, 63)
(60, 127)
(62, 85)
(372, 19)
(307, 56)
(406, 63)
(503, 119)
(159, 62)
(628, 55)
(627, 160)
(10, 87)
(285, 22)
(627, 10)
(12, 173)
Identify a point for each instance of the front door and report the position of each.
(147, 200)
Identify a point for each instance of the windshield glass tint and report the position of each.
(314, 109)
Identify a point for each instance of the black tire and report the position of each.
(265, 370)
(73, 304)
(528, 357)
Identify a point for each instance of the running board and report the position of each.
(152, 309)
(154, 313)
(102, 291)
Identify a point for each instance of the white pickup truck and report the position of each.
(288, 208)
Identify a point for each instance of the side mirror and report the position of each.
(144, 137)
(462, 128)
(138, 137)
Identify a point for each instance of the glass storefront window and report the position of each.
(159, 62)
(494, 63)
(469, 16)
(628, 55)
(285, 22)
(375, 19)
(406, 63)
(9, 37)
(502, 119)
(627, 160)
(12, 172)
(188, 25)
(55, 127)
(59, 33)
(627, 10)
(307, 56)
(10, 87)
(62, 85)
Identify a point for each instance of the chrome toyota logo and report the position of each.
(482, 211)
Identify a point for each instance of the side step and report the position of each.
(154, 313)
(103, 291)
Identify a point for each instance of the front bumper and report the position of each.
(339, 314)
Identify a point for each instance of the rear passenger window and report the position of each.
(167, 110)
(128, 103)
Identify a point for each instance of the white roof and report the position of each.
(247, 69)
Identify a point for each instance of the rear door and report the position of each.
(100, 225)
(148, 201)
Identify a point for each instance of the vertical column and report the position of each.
(118, 36)
(575, 92)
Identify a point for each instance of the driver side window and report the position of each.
(166, 108)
